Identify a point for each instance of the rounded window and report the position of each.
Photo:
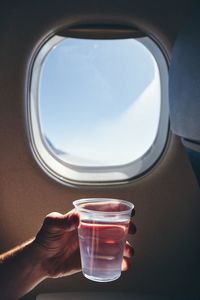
(98, 109)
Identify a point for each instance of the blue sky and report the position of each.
(100, 100)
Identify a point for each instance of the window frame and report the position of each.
(69, 174)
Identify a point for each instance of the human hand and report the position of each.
(58, 247)
(128, 250)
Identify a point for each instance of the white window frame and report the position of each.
(70, 174)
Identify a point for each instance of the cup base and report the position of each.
(98, 279)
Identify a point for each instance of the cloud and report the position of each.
(123, 139)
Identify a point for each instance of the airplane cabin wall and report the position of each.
(166, 198)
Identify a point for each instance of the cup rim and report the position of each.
(90, 200)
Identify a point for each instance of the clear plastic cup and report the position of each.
(102, 233)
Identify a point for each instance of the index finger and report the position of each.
(133, 212)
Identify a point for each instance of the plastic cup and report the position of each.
(102, 234)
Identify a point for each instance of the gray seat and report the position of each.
(184, 88)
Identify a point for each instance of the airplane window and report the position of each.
(98, 109)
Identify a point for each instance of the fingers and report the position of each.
(133, 212)
(128, 250)
(69, 221)
(131, 228)
(127, 255)
(126, 264)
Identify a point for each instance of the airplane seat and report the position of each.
(184, 89)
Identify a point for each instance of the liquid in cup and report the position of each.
(102, 236)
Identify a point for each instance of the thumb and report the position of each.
(69, 221)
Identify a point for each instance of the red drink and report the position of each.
(101, 246)
(102, 236)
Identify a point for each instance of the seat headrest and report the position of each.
(184, 82)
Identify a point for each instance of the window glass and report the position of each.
(98, 102)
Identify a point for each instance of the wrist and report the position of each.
(21, 270)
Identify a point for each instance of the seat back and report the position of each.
(184, 88)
